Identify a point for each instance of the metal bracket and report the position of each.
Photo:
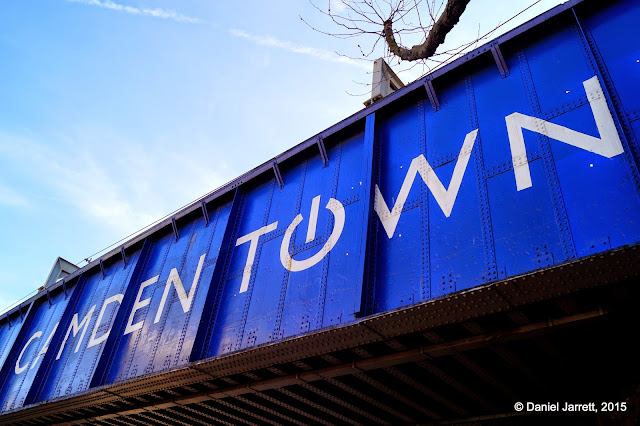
(20, 311)
(205, 213)
(323, 151)
(8, 319)
(124, 256)
(276, 171)
(48, 296)
(64, 287)
(431, 93)
(500, 62)
(102, 268)
(175, 228)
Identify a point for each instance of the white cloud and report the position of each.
(122, 192)
(155, 13)
(322, 54)
(337, 6)
(12, 198)
(76, 179)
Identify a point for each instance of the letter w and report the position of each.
(445, 197)
(608, 145)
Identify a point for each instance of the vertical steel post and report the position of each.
(207, 320)
(56, 341)
(110, 346)
(365, 213)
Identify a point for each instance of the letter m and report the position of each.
(75, 328)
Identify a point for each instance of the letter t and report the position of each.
(253, 237)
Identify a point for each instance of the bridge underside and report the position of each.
(566, 334)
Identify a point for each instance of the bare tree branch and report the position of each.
(447, 20)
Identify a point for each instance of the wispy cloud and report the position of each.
(322, 54)
(121, 192)
(12, 198)
(90, 189)
(337, 6)
(142, 11)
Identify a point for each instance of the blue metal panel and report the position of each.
(159, 327)
(70, 366)
(599, 192)
(21, 366)
(275, 302)
(494, 230)
(513, 211)
(456, 242)
(401, 278)
(10, 326)
(558, 65)
(287, 255)
(614, 31)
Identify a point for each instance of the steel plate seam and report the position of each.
(122, 290)
(277, 327)
(16, 332)
(425, 231)
(369, 282)
(100, 302)
(632, 151)
(187, 315)
(213, 258)
(46, 363)
(560, 211)
(136, 336)
(26, 323)
(209, 317)
(109, 351)
(366, 215)
(65, 359)
(508, 165)
(633, 115)
(491, 273)
(165, 313)
(325, 262)
(254, 270)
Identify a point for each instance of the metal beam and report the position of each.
(276, 172)
(431, 94)
(205, 212)
(410, 381)
(389, 391)
(325, 409)
(210, 310)
(245, 412)
(175, 228)
(500, 62)
(364, 413)
(236, 419)
(323, 152)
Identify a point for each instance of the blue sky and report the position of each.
(115, 113)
